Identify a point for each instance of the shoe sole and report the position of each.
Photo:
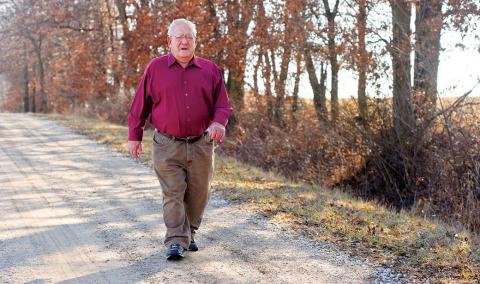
(192, 247)
(175, 257)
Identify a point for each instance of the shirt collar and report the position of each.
(171, 60)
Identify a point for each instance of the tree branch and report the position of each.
(78, 29)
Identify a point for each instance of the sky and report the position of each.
(459, 69)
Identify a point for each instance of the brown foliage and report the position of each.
(301, 150)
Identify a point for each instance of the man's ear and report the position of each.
(195, 42)
(169, 41)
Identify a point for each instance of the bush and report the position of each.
(439, 175)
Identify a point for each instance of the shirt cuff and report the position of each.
(223, 120)
(135, 134)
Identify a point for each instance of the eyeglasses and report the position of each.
(184, 36)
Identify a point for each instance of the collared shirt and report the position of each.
(182, 101)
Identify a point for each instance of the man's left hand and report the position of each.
(216, 131)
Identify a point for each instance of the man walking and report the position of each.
(185, 97)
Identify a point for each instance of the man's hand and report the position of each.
(135, 148)
(216, 131)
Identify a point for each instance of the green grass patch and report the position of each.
(426, 248)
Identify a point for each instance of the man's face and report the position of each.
(182, 43)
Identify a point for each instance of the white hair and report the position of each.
(178, 22)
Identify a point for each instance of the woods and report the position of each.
(393, 140)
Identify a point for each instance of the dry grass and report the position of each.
(425, 248)
(414, 245)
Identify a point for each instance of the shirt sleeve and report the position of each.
(141, 107)
(223, 107)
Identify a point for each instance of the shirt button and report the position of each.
(188, 107)
(185, 82)
(186, 95)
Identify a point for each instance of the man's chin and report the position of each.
(185, 55)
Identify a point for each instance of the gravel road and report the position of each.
(73, 211)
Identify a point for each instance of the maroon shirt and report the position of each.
(182, 102)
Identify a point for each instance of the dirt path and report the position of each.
(72, 211)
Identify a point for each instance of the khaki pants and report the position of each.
(185, 172)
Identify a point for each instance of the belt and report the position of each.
(189, 139)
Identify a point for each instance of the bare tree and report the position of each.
(319, 88)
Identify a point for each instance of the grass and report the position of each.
(427, 249)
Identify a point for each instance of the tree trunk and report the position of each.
(428, 26)
(268, 86)
(235, 88)
(43, 95)
(280, 85)
(236, 93)
(334, 83)
(122, 15)
(289, 22)
(403, 119)
(127, 72)
(256, 93)
(114, 53)
(26, 97)
(296, 85)
(111, 33)
(362, 63)
(34, 90)
(37, 47)
(332, 57)
(318, 89)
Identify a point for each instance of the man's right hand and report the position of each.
(135, 148)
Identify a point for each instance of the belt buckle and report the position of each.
(190, 138)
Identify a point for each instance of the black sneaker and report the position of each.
(193, 246)
(175, 252)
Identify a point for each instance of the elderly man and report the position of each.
(185, 97)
